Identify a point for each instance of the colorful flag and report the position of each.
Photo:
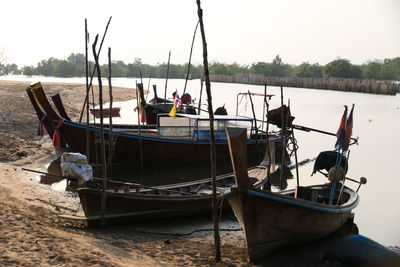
(341, 133)
(349, 130)
(177, 104)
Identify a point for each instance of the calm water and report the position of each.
(376, 123)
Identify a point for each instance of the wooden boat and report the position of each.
(186, 138)
(131, 203)
(273, 220)
(159, 106)
(107, 112)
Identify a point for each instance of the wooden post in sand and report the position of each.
(91, 77)
(103, 146)
(212, 138)
(87, 92)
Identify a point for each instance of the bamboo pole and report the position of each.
(87, 93)
(267, 182)
(283, 140)
(254, 116)
(212, 137)
(103, 147)
(91, 77)
(111, 134)
(190, 58)
(294, 148)
(201, 92)
(166, 80)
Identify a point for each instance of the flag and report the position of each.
(176, 105)
(172, 113)
(349, 129)
(341, 132)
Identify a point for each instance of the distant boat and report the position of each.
(107, 112)
(273, 220)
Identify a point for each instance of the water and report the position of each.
(376, 123)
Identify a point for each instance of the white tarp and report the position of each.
(75, 165)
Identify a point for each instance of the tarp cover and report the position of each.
(75, 165)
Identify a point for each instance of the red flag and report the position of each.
(349, 129)
(56, 134)
(341, 133)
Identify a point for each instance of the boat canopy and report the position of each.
(197, 127)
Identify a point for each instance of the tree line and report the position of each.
(74, 66)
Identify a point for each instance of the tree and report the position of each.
(308, 70)
(28, 70)
(372, 70)
(342, 68)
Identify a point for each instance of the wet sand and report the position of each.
(31, 233)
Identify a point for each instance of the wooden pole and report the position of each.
(140, 128)
(294, 148)
(212, 138)
(283, 140)
(87, 92)
(201, 92)
(148, 88)
(267, 183)
(91, 77)
(103, 147)
(166, 80)
(254, 116)
(190, 57)
(111, 134)
(263, 116)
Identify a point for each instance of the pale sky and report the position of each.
(242, 31)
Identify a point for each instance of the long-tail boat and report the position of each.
(272, 220)
(174, 140)
(107, 112)
(127, 202)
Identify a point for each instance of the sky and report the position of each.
(241, 31)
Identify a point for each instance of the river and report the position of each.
(376, 122)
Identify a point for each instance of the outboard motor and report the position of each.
(221, 111)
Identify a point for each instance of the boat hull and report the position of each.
(126, 208)
(271, 221)
(129, 147)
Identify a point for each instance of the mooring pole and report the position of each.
(111, 134)
(91, 77)
(103, 146)
(201, 92)
(283, 133)
(166, 80)
(190, 58)
(87, 92)
(212, 138)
